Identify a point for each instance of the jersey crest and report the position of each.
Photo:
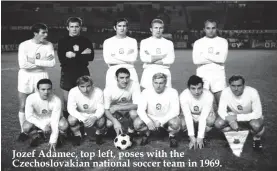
(38, 56)
(76, 48)
(158, 106)
(121, 51)
(196, 108)
(85, 106)
(158, 51)
(211, 50)
(44, 111)
(123, 100)
(240, 107)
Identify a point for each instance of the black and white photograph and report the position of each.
(138, 85)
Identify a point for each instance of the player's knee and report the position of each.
(72, 120)
(256, 125)
(210, 121)
(101, 122)
(133, 114)
(219, 123)
(63, 124)
(138, 124)
(109, 123)
(175, 123)
(27, 126)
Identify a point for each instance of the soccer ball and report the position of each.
(122, 141)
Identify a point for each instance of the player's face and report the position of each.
(45, 91)
(157, 30)
(196, 90)
(121, 28)
(123, 80)
(210, 29)
(41, 35)
(86, 88)
(237, 87)
(159, 85)
(74, 29)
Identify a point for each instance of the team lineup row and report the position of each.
(157, 106)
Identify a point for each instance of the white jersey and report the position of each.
(44, 112)
(116, 95)
(209, 54)
(196, 109)
(81, 106)
(154, 46)
(38, 52)
(247, 106)
(161, 107)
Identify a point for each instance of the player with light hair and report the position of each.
(240, 106)
(197, 108)
(122, 101)
(120, 51)
(209, 54)
(86, 108)
(157, 54)
(44, 111)
(34, 55)
(159, 108)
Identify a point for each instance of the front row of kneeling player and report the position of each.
(154, 109)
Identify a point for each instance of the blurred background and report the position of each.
(246, 25)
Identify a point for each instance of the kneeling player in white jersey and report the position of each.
(241, 106)
(120, 51)
(86, 106)
(159, 108)
(157, 54)
(209, 54)
(34, 55)
(43, 111)
(197, 107)
(122, 101)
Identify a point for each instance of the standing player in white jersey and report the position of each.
(34, 55)
(86, 107)
(159, 108)
(122, 101)
(44, 111)
(209, 54)
(241, 106)
(197, 107)
(120, 51)
(157, 54)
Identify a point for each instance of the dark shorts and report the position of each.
(69, 77)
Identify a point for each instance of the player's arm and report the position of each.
(62, 49)
(174, 108)
(223, 104)
(198, 56)
(23, 59)
(109, 56)
(131, 55)
(256, 109)
(170, 57)
(49, 60)
(72, 107)
(88, 53)
(220, 55)
(142, 107)
(145, 55)
(100, 106)
(31, 115)
(187, 115)
(207, 108)
(54, 123)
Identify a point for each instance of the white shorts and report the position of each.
(147, 76)
(27, 80)
(214, 82)
(111, 78)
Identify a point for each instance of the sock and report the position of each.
(22, 119)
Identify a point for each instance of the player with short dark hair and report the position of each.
(209, 54)
(157, 54)
(74, 52)
(43, 112)
(240, 105)
(197, 107)
(34, 55)
(86, 107)
(120, 51)
(159, 108)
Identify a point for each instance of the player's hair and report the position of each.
(122, 70)
(194, 80)
(44, 81)
(236, 78)
(74, 20)
(36, 27)
(159, 75)
(210, 21)
(84, 79)
(120, 20)
(157, 20)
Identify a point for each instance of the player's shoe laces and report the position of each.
(36, 140)
(22, 137)
(98, 139)
(144, 140)
(76, 140)
(173, 142)
(257, 145)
